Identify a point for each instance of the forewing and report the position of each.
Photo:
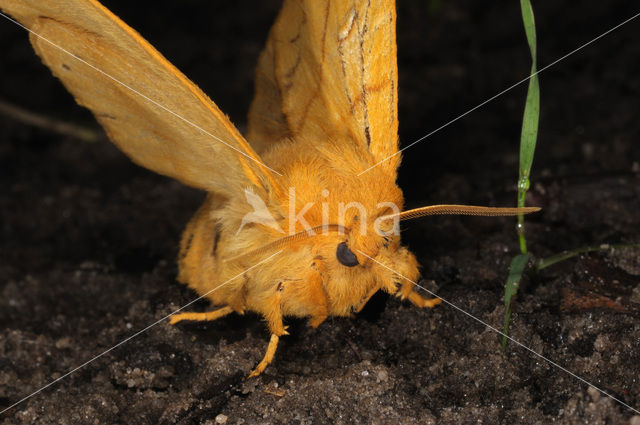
(149, 109)
(329, 70)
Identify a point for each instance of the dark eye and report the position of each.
(345, 256)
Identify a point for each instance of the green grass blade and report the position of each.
(543, 263)
(529, 26)
(528, 137)
(518, 263)
(530, 119)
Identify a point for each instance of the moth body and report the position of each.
(306, 279)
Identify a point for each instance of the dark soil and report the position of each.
(89, 240)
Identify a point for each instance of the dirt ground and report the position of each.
(89, 240)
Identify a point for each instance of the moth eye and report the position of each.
(345, 256)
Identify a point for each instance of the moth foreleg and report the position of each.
(273, 316)
(407, 291)
(207, 316)
(268, 356)
(407, 268)
(316, 297)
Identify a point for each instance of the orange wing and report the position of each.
(329, 71)
(149, 109)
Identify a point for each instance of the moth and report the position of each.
(302, 213)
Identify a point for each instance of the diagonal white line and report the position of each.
(503, 334)
(134, 335)
(137, 92)
(504, 91)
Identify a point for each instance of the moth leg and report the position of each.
(268, 356)
(207, 316)
(407, 291)
(276, 327)
(316, 296)
(365, 300)
(407, 267)
(420, 301)
(274, 313)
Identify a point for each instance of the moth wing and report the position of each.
(329, 70)
(149, 109)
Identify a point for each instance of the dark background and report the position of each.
(89, 240)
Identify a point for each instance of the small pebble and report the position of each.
(221, 419)
(601, 342)
(635, 420)
(63, 343)
(383, 376)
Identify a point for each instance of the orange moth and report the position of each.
(302, 213)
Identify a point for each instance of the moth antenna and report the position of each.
(291, 239)
(462, 210)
